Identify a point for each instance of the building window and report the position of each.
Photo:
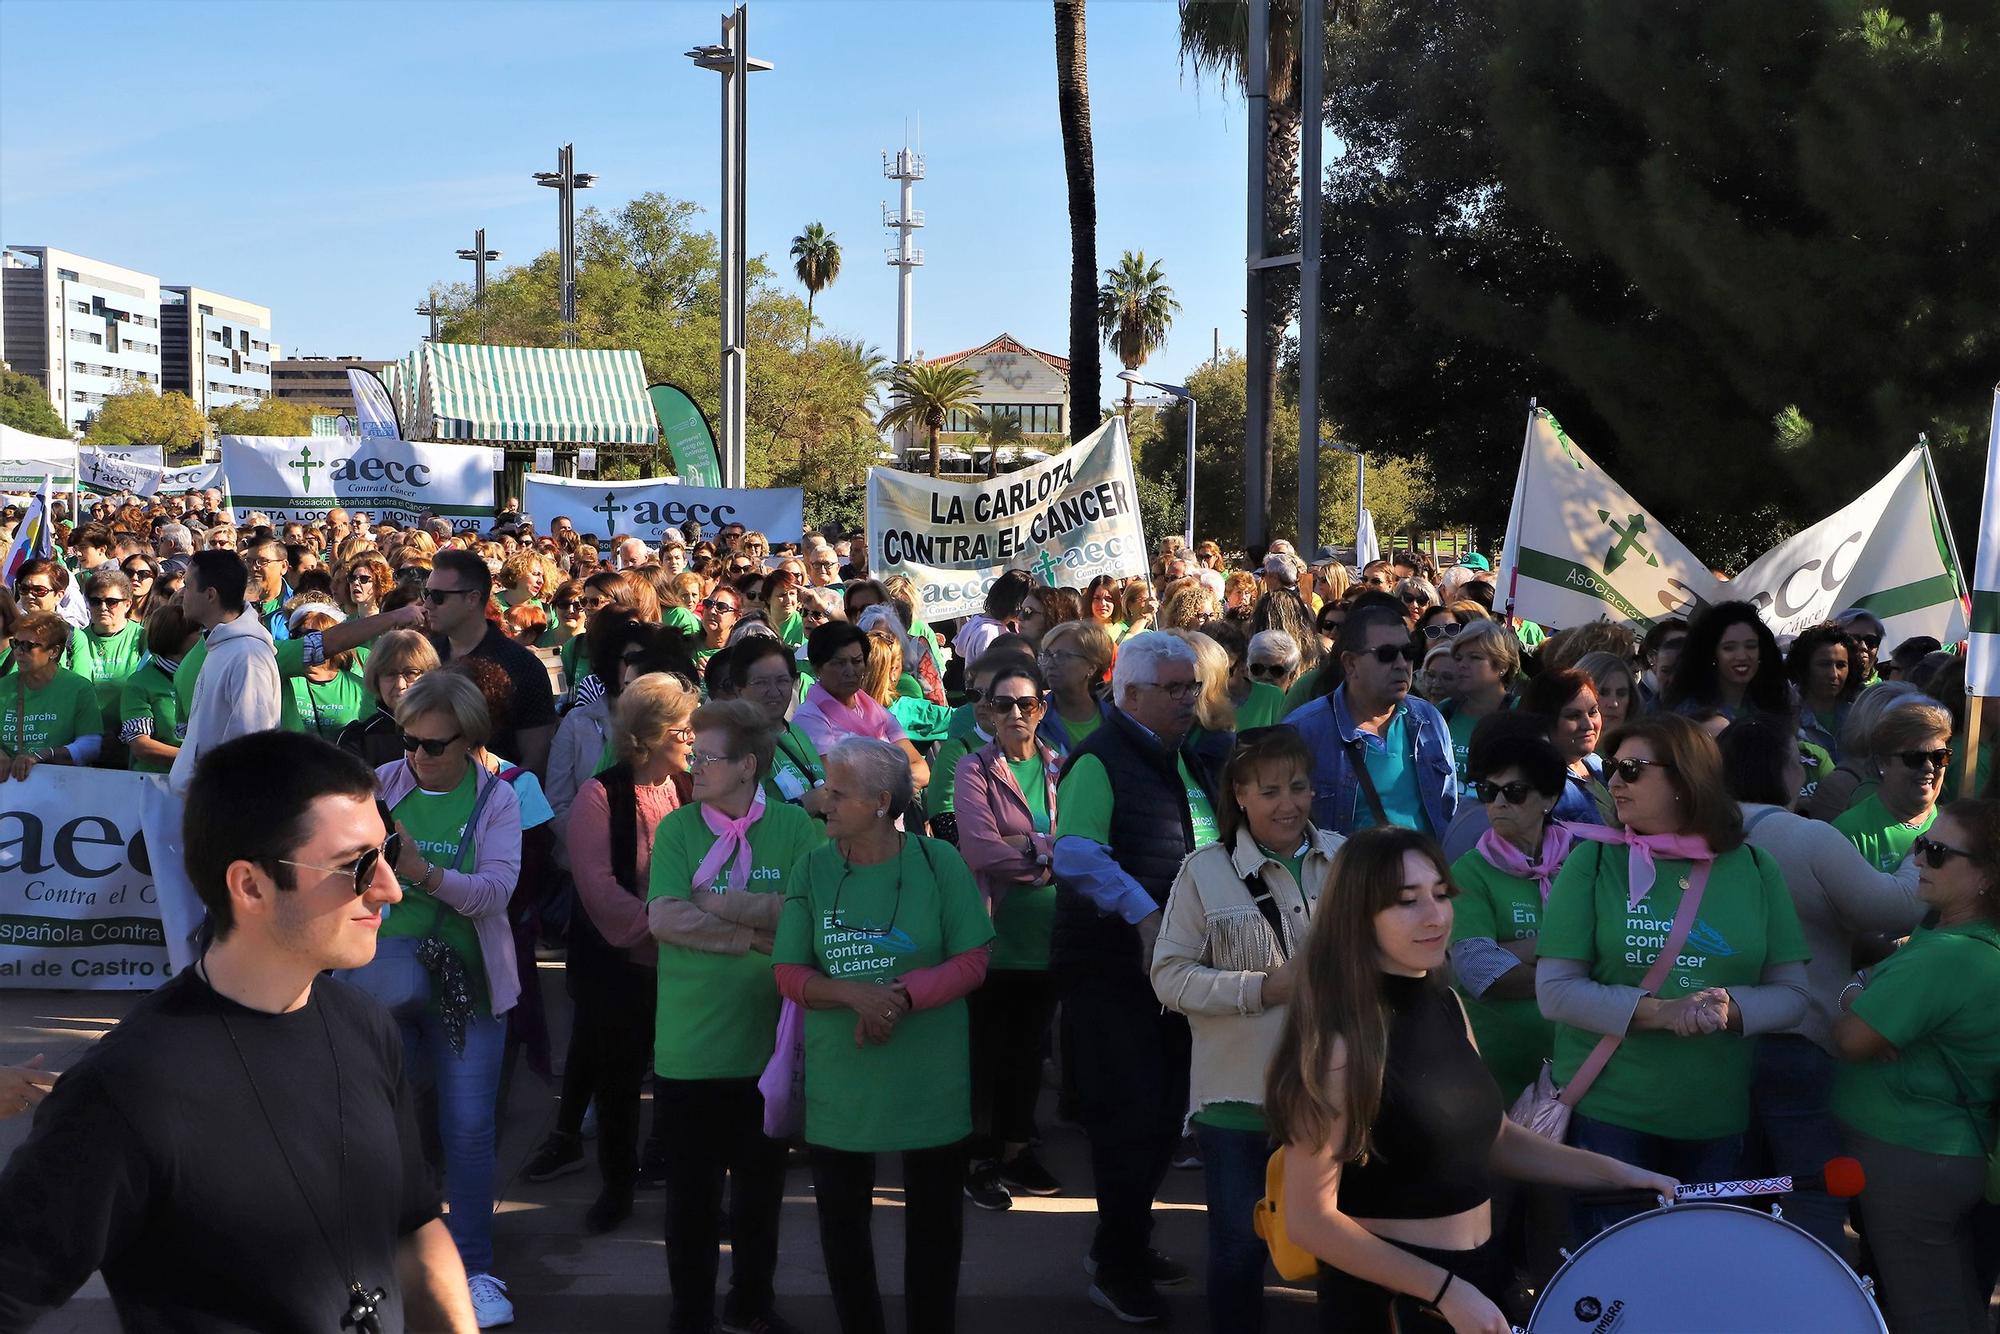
(67, 276)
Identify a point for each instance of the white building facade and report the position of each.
(84, 328)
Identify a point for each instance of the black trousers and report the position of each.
(714, 1130)
(610, 1052)
(1350, 1305)
(1008, 1019)
(1132, 1091)
(933, 1236)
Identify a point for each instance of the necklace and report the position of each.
(362, 1303)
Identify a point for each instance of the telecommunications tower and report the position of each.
(906, 168)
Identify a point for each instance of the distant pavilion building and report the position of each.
(1016, 381)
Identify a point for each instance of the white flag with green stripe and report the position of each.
(1580, 548)
(1982, 669)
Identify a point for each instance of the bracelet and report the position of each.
(1442, 1287)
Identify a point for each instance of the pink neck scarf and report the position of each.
(1643, 847)
(732, 844)
(863, 717)
(1504, 856)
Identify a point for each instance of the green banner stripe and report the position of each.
(1566, 574)
(1986, 611)
(25, 930)
(1906, 598)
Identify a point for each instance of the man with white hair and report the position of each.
(631, 553)
(1135, 799)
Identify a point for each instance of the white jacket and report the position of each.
(238, 692)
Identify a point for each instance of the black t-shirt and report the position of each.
(152, 1162)
(534, 703)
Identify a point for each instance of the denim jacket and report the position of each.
(1326, 727)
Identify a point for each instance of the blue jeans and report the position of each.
(1232, 1165)
(468, 1089)
(1792, 1131)
(1684, 1159)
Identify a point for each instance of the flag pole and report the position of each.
(1944, 526)
(1510, 539)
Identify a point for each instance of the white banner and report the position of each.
(25, 460)
(1065, 521)
(107, 469)
(302, 477)
(1982, 667)
(196, 477)
(374, 412)
(79, 898)
(1579, 548)
(646, 509)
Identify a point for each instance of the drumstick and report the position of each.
(1840, 1178)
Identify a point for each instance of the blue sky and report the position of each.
(327, 159)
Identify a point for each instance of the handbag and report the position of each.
(1544, 1109)
(783, 1082)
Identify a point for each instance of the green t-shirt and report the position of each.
(718, 1012)
(105, 661)
(1081, 731)
(1083, 803)
(796, 766)
(1025, 919)
(793, 632)
(436, 821)
(56, 714)
(1461, 725)
(963, 722)
(1660, 1084)
(941, 796)
(1934, 999)
(1302, 692)
(680, 618)
(149, 694)
(1232, 1116)
(922, 721)
(913, 911)
(324, 707)
(1881, 837)
(1264, 707)
(1513, 1037)
(291, 654)
(574, 665)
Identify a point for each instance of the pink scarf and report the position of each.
(1690, 847)
(864, 717)
(732, 844)
(1504, 856)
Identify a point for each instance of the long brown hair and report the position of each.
(1339, 1000)
(1261, 751)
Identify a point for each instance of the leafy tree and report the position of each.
(999, 430)
(1135, 308)
(269, 416)
(1086, 372)
(923, 395)
(816, 261)
(25, 406)
(140, 416)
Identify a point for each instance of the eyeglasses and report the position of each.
(1025, 705)
(683, 735)
(362, 868)
(717, 606)
(565, 604)
(1267, 671)
(1631, 769)
(1439, 630)
(1388, 653)
(807, 612)
(137, 572)
(34, 590)
(437, 596)
(1178, 691)
(1515, 792)
(107, 602)
(592, 601)
(361, 577)
(1415, 600)
(700, 759)
(833, 914)
(1052, 656)
(1934, 853)
(32, 646)
(431, 746)
(824, 564)
(1920, 759)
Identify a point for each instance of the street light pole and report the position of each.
(432, 309)
(479, 254)
(566, 180)
(1180, 392)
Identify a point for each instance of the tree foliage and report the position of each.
(1135, 309)
(922, 396)
(1741, 250)
(25, 406)
(139, 416)
(269, 416)
(816, 263)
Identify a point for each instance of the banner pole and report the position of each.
(1944, 526)
(1509, 541)
(1968, 781)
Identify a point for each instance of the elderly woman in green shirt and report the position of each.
(109, 648)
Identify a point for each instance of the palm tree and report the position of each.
(923, 395)
(999, 430)
(1135, 308)
(816, 260)
(1079, 169)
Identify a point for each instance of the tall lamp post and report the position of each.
(566, 180)
(731, 59)
(479, 255)
(1179, 391)
(432, 309)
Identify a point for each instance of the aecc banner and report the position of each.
(302, 477)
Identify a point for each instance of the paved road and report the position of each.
(1022, 1269)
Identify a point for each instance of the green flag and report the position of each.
(687, 435)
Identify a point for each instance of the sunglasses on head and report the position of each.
(1515, 792)
(1934, 853)
(431, 746)
(1439, 630)
(362, 868)
(1388, 653)
(1631, 769)
(1920, 759)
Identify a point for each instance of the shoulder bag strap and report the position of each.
(1356, 759)
(1758, 819)
(1593, 1064)
(483, 790)
(1268, 906)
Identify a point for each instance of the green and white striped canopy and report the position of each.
(526, 395)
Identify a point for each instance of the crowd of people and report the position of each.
(1240, 856)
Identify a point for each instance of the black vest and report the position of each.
(1151, 835)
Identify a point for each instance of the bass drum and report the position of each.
(1707, 1267)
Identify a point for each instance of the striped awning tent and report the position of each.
(523, 395)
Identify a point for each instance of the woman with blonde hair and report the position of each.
(328, 694)
(921, 720)
(1186, 604)
(1075, 660)
(1136, 608)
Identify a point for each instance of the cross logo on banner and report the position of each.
(304, 463)
(1046, 565)
(1628, 540)
(610, 509)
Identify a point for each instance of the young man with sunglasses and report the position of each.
(455, 597)
(241, 1152)
(1382, 755)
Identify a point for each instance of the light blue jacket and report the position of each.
(1326, 727)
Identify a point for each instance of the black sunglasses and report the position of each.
(1516, 792)
(1630, 769)
(1388, 653)
(1935, 853)
(1868, 641)
(431, 746)
(1920, 759)
(1262, 670)
(565, 604)
(436, 596)
(363, 867)
(1330, 626)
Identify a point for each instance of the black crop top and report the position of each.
(1433, 1137)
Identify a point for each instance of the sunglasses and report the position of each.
(1415, 600)
(1515, 792)
(362, 868)
(138, 572)
(565, 604)
(431, 746)
(711, 604)
(438, 596)
(1920, 759)
(1266, 671)
(1935, 853)
(1631, 769)
(1330, 627)
(35, 590)
(1025, 705)
(107, 602)
(1867, 641)
(32, 646)
(1388, 653)
(1439, 630)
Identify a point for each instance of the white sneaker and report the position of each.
(490, 1306)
